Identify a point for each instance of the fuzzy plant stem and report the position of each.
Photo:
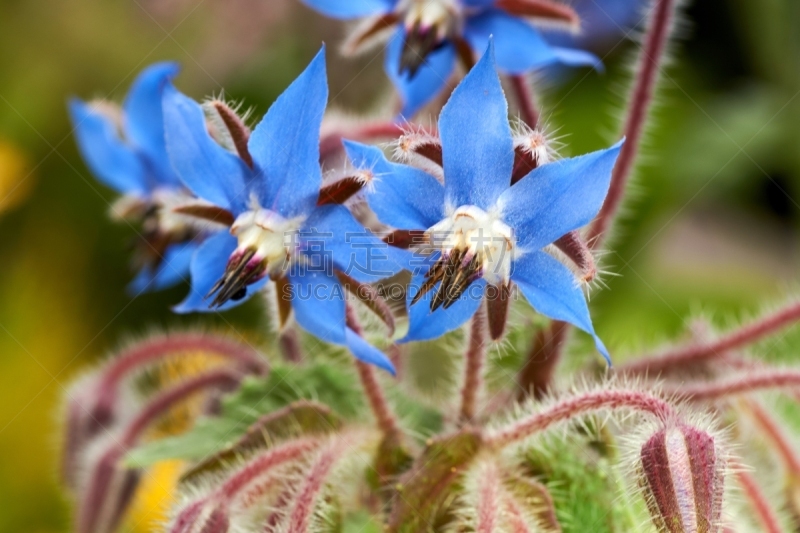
(160, 347)
(772, 431)
(747, 334)
(369, 381)
(473, 371)
(537, 374)
(766, 516)
(577, 406)
(752, 382)
(650, 61)
(332, 142)
(110, 487)
(525, 100)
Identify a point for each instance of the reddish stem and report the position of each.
(649, 64)
(110, 486)
(537, 374)
(747, 334)
(475, 356)
(759, 502)
(156, 348)
(769, 379)
(579, 405)
(264, 463)
(332, 142)
(167, 399)
(387, 422)
(525, 100)
(774, 433)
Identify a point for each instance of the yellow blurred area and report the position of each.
(153, 498)
(16, 176)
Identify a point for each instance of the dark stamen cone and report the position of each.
(242, 270)
(682, 474)
(419, 43)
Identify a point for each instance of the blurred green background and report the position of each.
(711, 226)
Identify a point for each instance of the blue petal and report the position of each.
(424, 325)
(173, 269)
(331, 237)
(366, 352)
(348, 9)
(318, 301)
(428, 81)
(144, 120)
(476, 138)
(519, 47)
(205, 167)
(553, 291)
(401, 196)
(478, 3)
(558, 197)
(208, 266)
(285, 145)
(107, 156)
(573, 57)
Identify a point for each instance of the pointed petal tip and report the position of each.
(603, 351)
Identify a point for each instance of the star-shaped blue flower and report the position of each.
(482, 229)
(124, 148)
(280, 231)
(432, 34)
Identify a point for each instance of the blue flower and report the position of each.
(280, 232)
(432, 34)
(124, 148)
(484, 232)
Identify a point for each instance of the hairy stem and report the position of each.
(759, 502)
(525, 100)
(579, 405)
(386, 419)
(772, 431)
(473, 374)
(331, 142)
(751, 382)
(167, 399)
(747, 334)
(650, 61)
(537, 374)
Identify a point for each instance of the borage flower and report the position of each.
(284, 227)
(484, 231)
(431, 34)
(124, 148)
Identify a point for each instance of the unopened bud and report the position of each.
(682, 473)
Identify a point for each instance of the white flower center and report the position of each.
(272, 237)
(481, 238)
(439, 14)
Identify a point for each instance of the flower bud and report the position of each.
(682, 473)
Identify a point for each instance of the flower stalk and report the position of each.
(473, 371)
(738, 338)
(578, 405)
(384, 416)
